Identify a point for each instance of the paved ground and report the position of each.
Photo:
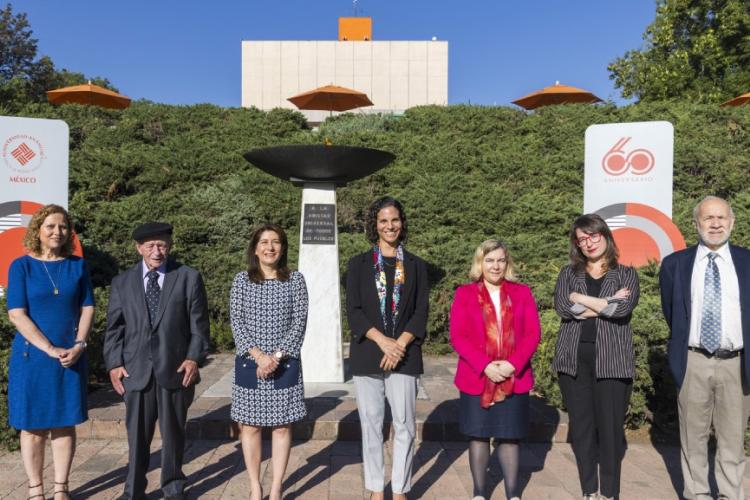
(333, 470)
(325, 462)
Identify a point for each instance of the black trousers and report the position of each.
(596, 411)
(142, 408)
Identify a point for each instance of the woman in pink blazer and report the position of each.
(495, 330)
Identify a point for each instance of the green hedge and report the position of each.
(464, 173)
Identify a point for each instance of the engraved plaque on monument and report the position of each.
(319, 224)
(319, 170)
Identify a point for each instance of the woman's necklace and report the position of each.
(55, 290)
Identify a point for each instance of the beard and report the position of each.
(714, 240)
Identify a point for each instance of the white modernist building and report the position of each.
(395, 75)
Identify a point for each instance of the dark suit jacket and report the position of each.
(180, 331)
(674, 280)
(363, 312)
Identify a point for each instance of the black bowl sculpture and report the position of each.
(319, 163)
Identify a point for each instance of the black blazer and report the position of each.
(180, 332)
(363, 312)
(675, 279)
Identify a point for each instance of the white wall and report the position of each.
(395, 75)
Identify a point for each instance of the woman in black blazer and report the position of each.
(386, 303)
(595, 297)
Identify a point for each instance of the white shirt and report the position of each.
(162, 270)
(495, 296)
(731, 328)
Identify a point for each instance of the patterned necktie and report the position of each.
(153, 292)
(711, 311)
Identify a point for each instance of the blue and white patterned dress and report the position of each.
(270, 315)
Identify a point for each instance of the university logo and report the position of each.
(618, 160)
(23, 153)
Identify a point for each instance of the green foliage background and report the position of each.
(694, 49)
(464, 174)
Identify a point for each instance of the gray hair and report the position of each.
(697, 207)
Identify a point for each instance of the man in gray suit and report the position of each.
(157, 335)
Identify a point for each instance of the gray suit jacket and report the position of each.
(180, 331)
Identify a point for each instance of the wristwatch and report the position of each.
(82, 343)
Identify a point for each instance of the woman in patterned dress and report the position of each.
(51, 304)
(268, 310)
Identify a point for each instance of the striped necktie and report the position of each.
(711, 311)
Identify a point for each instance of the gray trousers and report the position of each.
(141, 411)
(713, 394)
(401, 392)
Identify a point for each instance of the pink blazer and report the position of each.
(468, 337)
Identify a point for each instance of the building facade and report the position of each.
(395, 75)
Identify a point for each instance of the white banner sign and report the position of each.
(628, 182)
(629, 163)
(33, 173)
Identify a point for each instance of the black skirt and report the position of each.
(508, 419)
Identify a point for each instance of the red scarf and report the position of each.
(500, 340)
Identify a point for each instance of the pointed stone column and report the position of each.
(322, 358)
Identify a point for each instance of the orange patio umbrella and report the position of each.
(88, 94)
(331, 98)
(556, 94)
(737, 101)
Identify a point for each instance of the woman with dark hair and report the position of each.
(495, 331)
(595, 297)
(268, 312)
(387, 297)
(51, 304)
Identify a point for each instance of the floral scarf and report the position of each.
(500, 340)
(380, 282)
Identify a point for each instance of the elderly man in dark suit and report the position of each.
(157, 335)
(705, 293)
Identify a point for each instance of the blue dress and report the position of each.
(41, 393)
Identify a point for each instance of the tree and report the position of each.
(694, 49)
(17, 47)
(23, 77)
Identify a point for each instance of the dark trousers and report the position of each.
(141, 411)
(596, 411)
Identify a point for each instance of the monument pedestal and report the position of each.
(322, 357)
(319, 169)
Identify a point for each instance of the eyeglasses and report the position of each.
(593, 238)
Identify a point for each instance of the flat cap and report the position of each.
(151, 229)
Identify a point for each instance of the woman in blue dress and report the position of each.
(51, 304)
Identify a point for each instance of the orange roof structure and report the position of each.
(737, 101)
(556, 94)
(355, 29)
(331, 98)
(90, 94)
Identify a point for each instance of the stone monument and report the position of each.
(319, 170)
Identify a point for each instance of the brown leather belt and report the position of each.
(718, 353)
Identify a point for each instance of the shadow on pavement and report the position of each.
(443, 455)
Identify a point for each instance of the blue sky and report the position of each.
(188, 51)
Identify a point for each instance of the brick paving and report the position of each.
(325, 461)
(320, 469)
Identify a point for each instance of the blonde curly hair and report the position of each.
(32, 242)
